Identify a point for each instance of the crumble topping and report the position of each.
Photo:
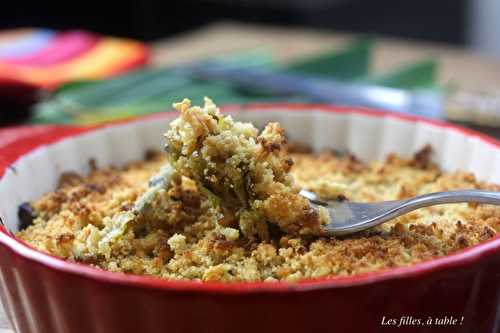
(223, 205)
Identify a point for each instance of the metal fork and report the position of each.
(350, 217)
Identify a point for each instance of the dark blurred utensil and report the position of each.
(468, 106)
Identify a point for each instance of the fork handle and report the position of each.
(438, 198)
(389, 210)
(400, 207)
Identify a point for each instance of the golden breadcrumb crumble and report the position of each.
(223, 205)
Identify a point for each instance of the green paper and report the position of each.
(418, 75)
(349, 63)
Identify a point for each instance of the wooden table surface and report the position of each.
(455, 65)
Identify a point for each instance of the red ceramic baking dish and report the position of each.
(41, 293)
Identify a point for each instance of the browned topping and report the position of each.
(65, 238)
(151, 154)
(230, 210)
(93, 164)
(342, 197)
(208, 253)
(288, 163)
(272, 139)
(92, 187)
(422, 158)
(406, 192)
(298, 148)
(127, 206)
(69, 179)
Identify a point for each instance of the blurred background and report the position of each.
(470, 23)
(75, 62)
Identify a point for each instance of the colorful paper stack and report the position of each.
(42, 58)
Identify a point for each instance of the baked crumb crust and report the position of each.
(206, 251)
(187, 234)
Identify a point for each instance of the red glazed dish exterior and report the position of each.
(41, 293)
